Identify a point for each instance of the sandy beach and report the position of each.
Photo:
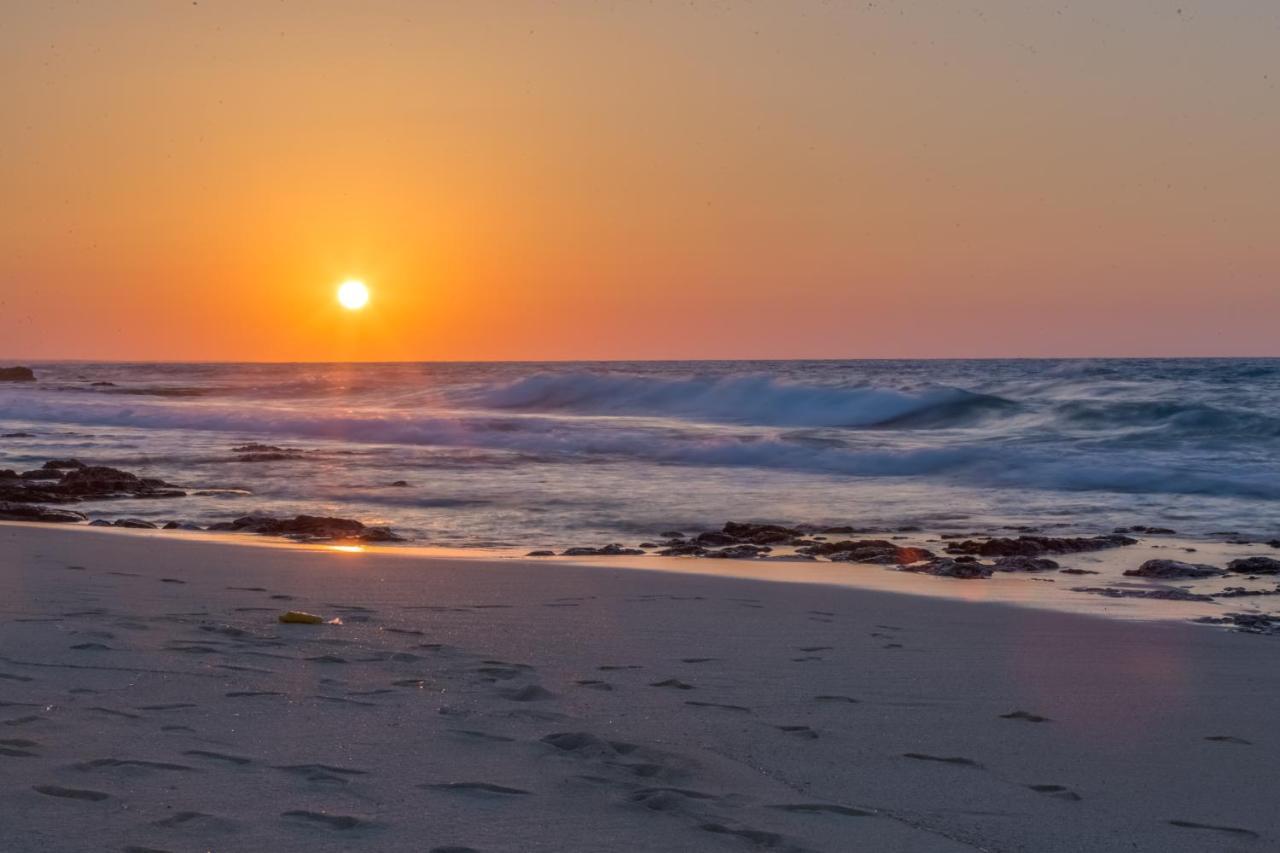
(151, 701)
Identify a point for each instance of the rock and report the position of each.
(41, 474)
(878, 551)
(1255, 566)
(541, 554)
(400, 484)
(62, 464)
(18, 435)
(1163, 594)
(181, 525)
(714, 539)
(309, 527)
(255, 447)
(760, 534)
(28, 512)
(1150, 531)
(1078, 572)
(17, 374)
(1248, 623)
(739, 552)
(611, 550)
(1170, 569)
(136, 523)
(945, 567)
(683, 549)
(1035, 546)
(100, 522)
(672, 534)
(1024, 564)
(268, 457)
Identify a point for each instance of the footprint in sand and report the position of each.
(326, 819)
(71, 793)
(1025, 715)
(594, 684)
(957, 760)
(10, 677)
(471, 734)
(484, 788)
(756, 836)
(720, 705)
(530, 693)
(171, 580)
(91, 647)
(1229, 739)
(799, 731)
(249, 694)
(614, 667)
(822, 808)
(673, 683)
(174, 706)
(697, 660)
(219, 756)
(321, 773)
(1057, 791)
(1230, 830)
(842, 700)
(667, 799)
(195, 820)
(130, 764)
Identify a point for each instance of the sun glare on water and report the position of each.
(353, 295)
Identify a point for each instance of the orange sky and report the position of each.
(639, 180)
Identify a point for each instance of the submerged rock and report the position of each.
(1024, 564)
(610, 550)
(1035, 546)
(1170, 569)
(945, 567)
(30, 512)
(1164, 594)
(309, 527)
(17, 374)
(1255, 566)
(879, 551)
(137, 523)
(69, 480)
(1247, 623)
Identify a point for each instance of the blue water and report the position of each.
(583, 453)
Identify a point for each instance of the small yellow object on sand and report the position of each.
(299, 616)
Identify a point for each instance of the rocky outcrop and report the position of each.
(310, 527)
(29, 512)
(1163, 594)
(611, 550)
(17, 374)
(1255, 566)
(878, 551)
(1036, 546)
(945, 567)
(1024, 564)
(1173, 569)
(70, 480)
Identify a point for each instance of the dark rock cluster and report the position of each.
(1036, 546)
(309, 527)
(265, 453)
(70, 480)
(17, 374)
(1173, 569)
(1248, 623)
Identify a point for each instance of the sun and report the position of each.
(353, 295)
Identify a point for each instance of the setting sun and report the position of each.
(353, 295)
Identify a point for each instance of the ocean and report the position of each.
(549, 455)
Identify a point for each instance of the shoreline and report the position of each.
(1042, 591)
(465, 703)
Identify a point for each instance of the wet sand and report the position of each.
(150, 700)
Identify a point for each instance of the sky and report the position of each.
(626, 180)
